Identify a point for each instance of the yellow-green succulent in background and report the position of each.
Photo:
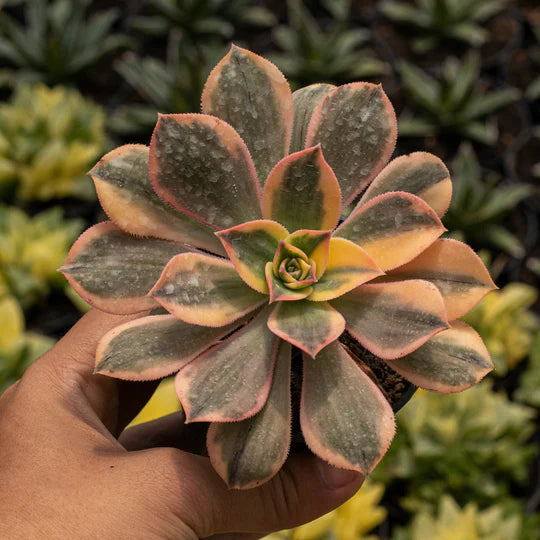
(473, 447)
(351, 521)
(32, 249)
(49, 138)
(506, 324)
(455, 523)
(18, 349)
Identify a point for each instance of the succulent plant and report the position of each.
(480, 203)
(452, 102)
(353, 520)
(49, 137)
(58, 42)
(31, 249)
(335, 54)
(444, 20)
(468, 522)
(473, 447)
(239, 241)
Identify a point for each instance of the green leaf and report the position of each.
(345, 418)
(310, 326)
(356, 127)
(248, 453)
(252, 95)
(201, 167)
(204, 290)
(122, 181)
(393, 319)
(232, 380)
(114, 271)
(154, 347)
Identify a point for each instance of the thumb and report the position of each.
(304, 489)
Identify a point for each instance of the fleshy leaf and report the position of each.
(250, 246)
(348, 267)
(113, 270)
(315, 244)
(356, 126)
(252, 95)
(248, 453)
(419, 173)
(451, 361)
(345, 418)
(201, 167)
(302, 192)
(124, 188)
(154, 347)
(393, 228)
(455, 269)
(393, 319)
(230, 381)
(305, 100)
(310, 326)
(205, 290)
(277, 290)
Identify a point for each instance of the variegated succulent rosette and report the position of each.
(231, 222)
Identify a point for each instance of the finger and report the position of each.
(67, 370)
(168, 431)
(303, 490)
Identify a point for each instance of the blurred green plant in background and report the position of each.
(533, 90)
(529, 384)
(351, 521)
(333, 54)
(468, 523)
(453, 102)
(49, 138)
(199, 20)
(506, 324)
(31, 251)
(480, 203)
(58, 42)
(472, 447)
(434, 21)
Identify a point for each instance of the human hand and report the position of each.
(69, 470)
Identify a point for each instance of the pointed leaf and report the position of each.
(248, 453)
(356, 126)
(305, 100)
(345, 418)
(315, 244)
(456, 270)
(419, 173)
(307, 325)
(348, 267)
(201, 167)
(205, 290)
(393, 319)
(123, 185)
(393, 228)
(277, 290)
(231, 381)
(113, 270)
(451, 361)
(250, 246)
(154, 347)
(252, 95)
(302, 192)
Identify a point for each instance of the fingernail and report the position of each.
(335, 478)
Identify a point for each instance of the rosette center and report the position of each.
(293, 267)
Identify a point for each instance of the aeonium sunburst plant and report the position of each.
(230, 220)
